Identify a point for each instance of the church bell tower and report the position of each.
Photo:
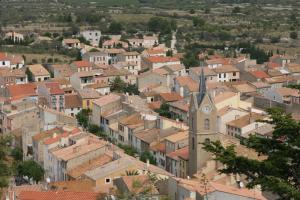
(202, 126)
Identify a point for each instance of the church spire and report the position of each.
(202, 86)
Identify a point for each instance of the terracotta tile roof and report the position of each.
(273, 65)
(104, 100)
(89, 165)
(226, 68)
(45, 134)
(170, 97)
(224, 96)
(155, 51)
(222, 61)
(54, 88)
(155, 105)
(90, 144)
(278, 79)
(182, 153)
(72, 101)
(61, 81)
(181, 105)
(133, 119)
(160, 147)
(178, 137)
(260, 84)
(74, 185)
(88, 93)
(151, 135)
(293, 67)
(38, 70)
(288, 92)
(112, 71)
(244, 88)
(3, 56)
(57, 195)
(82, 64)
(246, 120)
(185, 81)
(65, 134)
(71, 41)
(161, 71)
(20, 91)
(259, 74)
(159, 59)
(97, 85)
(207, 71)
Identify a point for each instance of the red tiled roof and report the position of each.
(20, 91)
(3, 55)
(169, 97)
(154, 105)
(54, 88)
(273, 65)
(159, 59)
(82, 63)
(57, 195)
(260, 74)
(180, 153)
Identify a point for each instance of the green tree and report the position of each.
(280, 171)
(190, 59)
(294, 35)
(83, 117)
(115, 28)
(17, 154)
(146, 155)
(164, 110)
(29, 75)
(236, 10)
(198, 21)
(31, 169)
(118, 85)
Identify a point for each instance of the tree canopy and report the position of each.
(31, 169)
(280, 171)
(164, 26)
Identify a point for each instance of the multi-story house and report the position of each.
(99, 57)
(53, 95)
(11, 61)
(156, 62)
(39, 73)
(133, 59)
(92, 36)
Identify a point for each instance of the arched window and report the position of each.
(206, 124)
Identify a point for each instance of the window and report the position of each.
(207, 141)
(234, 73)
(107, 180)
(220, 76)
(87, 103)
(206, 124)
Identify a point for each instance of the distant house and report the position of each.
(11, 61)
(73, 104)
(145, 42)
(53, 95)
(15, 37)
(101, 57)
(17, 76)
(227, 73)
(39, 73)
(92, 36)
(21, 91)
(113, 43)
(71, 43)
(283, 95)
(87, 96)
(133, 61)
(158, 62)
(83, 65)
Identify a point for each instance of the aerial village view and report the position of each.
(149, 100)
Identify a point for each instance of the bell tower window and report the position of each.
(206, 124)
